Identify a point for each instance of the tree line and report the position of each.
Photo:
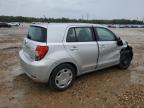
(33, 19)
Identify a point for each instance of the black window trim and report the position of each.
(92, 31)
(96, 34)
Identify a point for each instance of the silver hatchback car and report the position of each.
(56, 53)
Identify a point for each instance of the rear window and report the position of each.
(36, 33)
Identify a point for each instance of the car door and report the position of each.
(82, 47)
(109, 51)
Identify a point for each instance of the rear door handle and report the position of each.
(74, 48)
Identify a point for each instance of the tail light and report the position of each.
(40, 52)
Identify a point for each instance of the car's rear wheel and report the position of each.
(125, 60)
(62, 77)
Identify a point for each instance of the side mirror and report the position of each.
(119, 42)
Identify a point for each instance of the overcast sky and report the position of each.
(96, 9)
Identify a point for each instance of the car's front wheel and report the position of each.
(62, 77)
(125, 59)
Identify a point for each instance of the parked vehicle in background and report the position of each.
(2, 24)
(14, 24)
(112, 26)
(125, 26)
(58, 53)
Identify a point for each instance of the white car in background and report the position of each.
(14, 24)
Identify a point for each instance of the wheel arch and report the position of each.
(73, 65)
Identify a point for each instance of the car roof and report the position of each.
(57, 31)
(65, 25)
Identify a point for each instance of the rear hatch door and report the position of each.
(37, 36)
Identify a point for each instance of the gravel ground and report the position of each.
(108, 88)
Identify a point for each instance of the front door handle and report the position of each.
(102, 46)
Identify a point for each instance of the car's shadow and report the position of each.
(23, 82)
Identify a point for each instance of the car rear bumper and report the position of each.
(36, 70)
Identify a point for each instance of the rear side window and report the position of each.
(80, 34)
(71, 35)
(36, 33)
(84, 34)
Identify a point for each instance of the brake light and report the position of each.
(41, 52)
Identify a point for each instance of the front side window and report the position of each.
(84, 34)
(105, 34)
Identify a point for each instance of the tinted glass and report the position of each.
(84, 34)
(71, 35)
(105, 34)
(37, 34)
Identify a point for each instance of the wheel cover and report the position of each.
(63, 78)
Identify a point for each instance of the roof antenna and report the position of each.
(87, 16)
(45, 19)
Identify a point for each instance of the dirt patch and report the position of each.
(133, 97)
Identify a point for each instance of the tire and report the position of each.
(62, 77)
(125, 59)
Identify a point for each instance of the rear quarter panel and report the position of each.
(58, 53)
